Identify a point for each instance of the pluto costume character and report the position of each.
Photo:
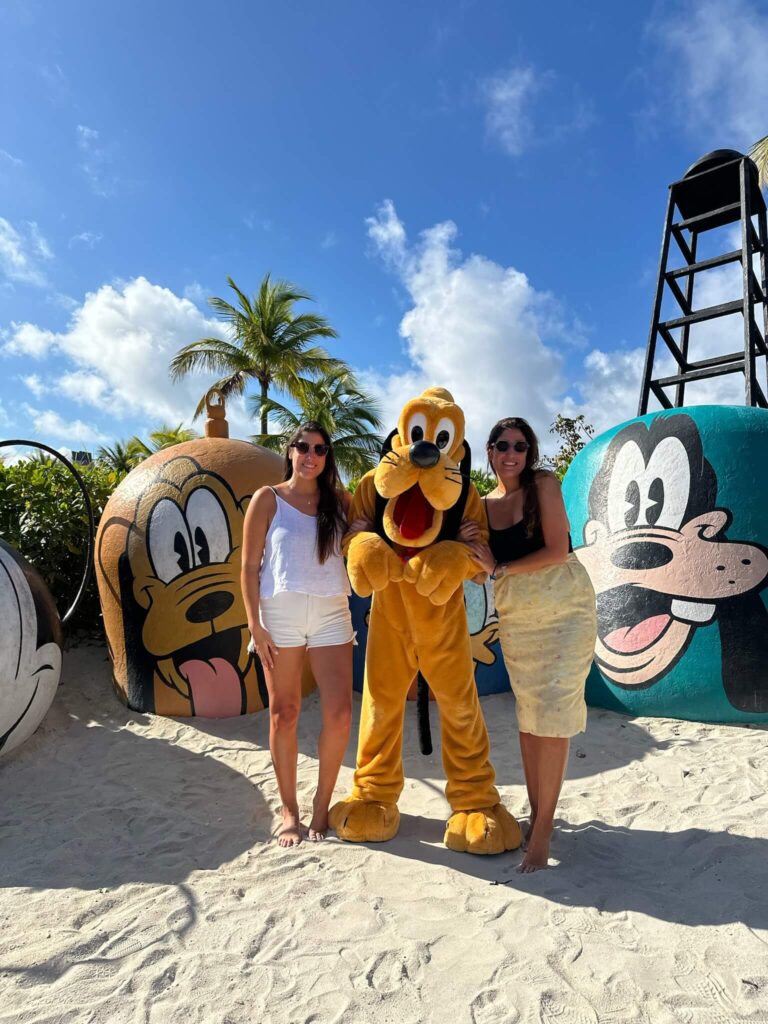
(417, 497)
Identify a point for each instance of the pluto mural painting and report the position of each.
(168, 569)
(30, 652)
(673, 512)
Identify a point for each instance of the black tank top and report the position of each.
(513, 542)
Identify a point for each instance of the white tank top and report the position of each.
(290, 560)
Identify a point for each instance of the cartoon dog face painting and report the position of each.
(661, 565)
(179, 634)
(30, 650)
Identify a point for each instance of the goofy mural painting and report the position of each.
(667, 563)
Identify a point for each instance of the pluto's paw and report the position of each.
(488, 830)
(362, 821)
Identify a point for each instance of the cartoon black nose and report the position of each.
(641, 555)
(424, 454)
(210, 607)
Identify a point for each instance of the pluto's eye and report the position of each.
(446, 431)
(168, 541)
(208, 526)
(416, 428)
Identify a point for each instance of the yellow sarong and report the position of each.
(547, 629)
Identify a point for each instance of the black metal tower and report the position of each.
(719, 189)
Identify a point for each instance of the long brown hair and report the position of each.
(531, 512)
(331, 522)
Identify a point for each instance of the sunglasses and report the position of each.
(302, 447)
(504, 446)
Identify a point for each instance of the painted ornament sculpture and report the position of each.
(30, 649)
(672, 509)
(168, 568)
(410, 560)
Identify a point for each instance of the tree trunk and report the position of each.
(264, 388)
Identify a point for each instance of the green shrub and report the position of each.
(43, 516)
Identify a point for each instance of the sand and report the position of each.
(140, 882)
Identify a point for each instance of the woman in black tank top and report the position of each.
(546, 609)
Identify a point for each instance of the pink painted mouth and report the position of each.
(215, 686)
(630, 639)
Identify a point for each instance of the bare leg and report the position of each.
(284, 686)
(332, 669)
(531, 772)
(549, 756)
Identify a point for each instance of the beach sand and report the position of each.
(140, 882)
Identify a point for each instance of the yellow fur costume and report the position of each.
(418, 623)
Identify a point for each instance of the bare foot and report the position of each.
(529, 830)
(291, 832)
(536, 854)
(319, 824)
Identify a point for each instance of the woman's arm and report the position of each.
(554, 526)
(258, 516)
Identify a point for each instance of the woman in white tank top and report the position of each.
(296, 591)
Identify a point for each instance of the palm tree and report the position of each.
(348, 413)
(268, 342)
(759, 153)
(162, 437)
(119, 458)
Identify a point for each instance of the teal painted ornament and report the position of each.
(669, 515)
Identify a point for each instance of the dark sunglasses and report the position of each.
(302, 447)
(504, 446)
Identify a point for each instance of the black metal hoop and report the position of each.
(89, 509)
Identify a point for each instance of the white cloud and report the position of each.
(196, 293)
(329, 240)
(10, 158)
(29, 340)
(714, 74)
(35, 385)
(97, 162)
(517, 120)
(88, 238)
(20, 253)
(478, 328)
(117, 348)
(49, 424)
(508, 97)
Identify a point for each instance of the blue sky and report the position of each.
(472, 191)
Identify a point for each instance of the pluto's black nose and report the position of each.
(641, 555)
(424, 454)
(210, 607)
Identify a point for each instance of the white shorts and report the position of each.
(302, 620)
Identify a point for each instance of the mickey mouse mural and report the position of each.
(168, 567)
(672, 509)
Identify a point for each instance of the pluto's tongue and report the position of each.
(413, 513)
(628, 639)
(215, 687)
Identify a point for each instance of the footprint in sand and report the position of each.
(490, 1007)
(394, 968)
(554, 1009)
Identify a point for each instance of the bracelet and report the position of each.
(493, 575)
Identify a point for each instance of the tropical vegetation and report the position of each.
(268, 342)
(336, 401)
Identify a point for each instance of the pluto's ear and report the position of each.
(465, 465)
(387, 446)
